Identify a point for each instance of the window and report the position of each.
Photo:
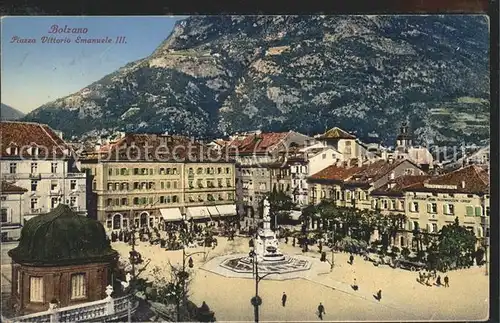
(190, 171)
(34, 185)
(4, 215)
(228, 182)
(409, 171)
(168, 184)
(13, 168)
(478, 211)
(175, 184)
(431, 208)
(78, 287)
(34, 168)
(53, 168)
(385, 205)
(94, 185)
(413, 206)
(72, 201)
(110, 186)
(72, 184)
(230, 196)
(199, 170)
(219, 170)
(393, 205)
(434, 227)
(124, 201)
(323, 156)
(175, 199)
(228, 170)
(469, 210)
(416, 226)
(117, 171)
(54, 201)
(36, 289)
(448, 209)
(123, 171)
(34, 204)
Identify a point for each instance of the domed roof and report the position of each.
(62, 237)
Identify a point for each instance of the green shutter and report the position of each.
(429, 208)
(469, 211)
(479, 211)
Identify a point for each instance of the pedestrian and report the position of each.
(446, 281)
(355, 284)
(351, 259)
(283, 299)
(321, 311)
(438, 281)
(293, 242)
(379, 295)
(286, 240)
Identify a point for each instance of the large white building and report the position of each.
(35, 157)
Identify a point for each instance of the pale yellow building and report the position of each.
(145, 179)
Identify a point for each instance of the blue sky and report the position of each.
(34, 74)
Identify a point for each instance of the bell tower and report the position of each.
(404, 138)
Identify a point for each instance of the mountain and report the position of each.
(9, 113)
(365, 74)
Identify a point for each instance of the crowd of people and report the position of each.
(432, 279)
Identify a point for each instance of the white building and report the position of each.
(34, 157)
(11, 211)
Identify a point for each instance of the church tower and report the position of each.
(404, 138)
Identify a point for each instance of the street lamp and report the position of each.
(256, 301)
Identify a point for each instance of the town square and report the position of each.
(247, 169)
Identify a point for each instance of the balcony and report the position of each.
(76, 175)
(35, 176)
(56, 191)
(108, 309)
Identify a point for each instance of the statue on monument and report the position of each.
(265, 213)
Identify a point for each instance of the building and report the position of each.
(350, 184)
(145, 179)
(62, 258)
(437, 201)
(307, 163)
(34, 157)
(405, 150)
(391, 199)
(346, 144)
(261, 162)
(11, 211)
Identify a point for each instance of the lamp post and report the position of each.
(256, 301)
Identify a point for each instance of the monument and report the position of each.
(266, 242)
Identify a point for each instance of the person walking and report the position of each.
(438, 281)
(321, 311)
(283, 299)
(379, 295)
(446, 281)
(355, 284)
(351, 259)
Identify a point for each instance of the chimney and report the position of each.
(463, 184)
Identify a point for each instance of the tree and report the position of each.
(172, 288)
(280, 205)
(456, 246)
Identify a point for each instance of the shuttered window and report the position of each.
(469, 210)
(36, 289)
(479, 211)
(78, 287)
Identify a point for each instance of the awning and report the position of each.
(213, 212)
(171, 214)
(227, 210)
(197, 213)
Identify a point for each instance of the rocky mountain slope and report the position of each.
(365, 74)
(9, 113)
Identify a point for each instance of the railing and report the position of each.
(105, 310)
(40, 176)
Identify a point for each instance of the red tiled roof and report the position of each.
(8, 188)
(23, 135)
(337, 133)
(259, 143)
(335, 173)
(375, 171)
(470, 179)
(396, 186)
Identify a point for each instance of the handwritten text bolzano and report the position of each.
(56, 29)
